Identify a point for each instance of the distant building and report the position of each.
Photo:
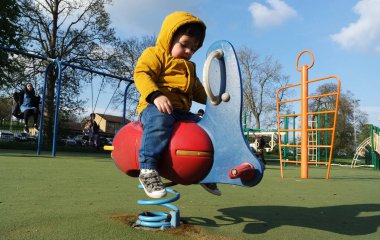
(109, 124)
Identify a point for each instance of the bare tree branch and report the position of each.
(260, 82)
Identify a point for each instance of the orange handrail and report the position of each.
(290, 115)
(290, 100)
(321, 112)
(323, 95)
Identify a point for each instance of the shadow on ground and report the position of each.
(354, 220)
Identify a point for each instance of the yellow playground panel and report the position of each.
(311, 137)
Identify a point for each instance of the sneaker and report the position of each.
(212, 188)
(152, 184)
(35, 127)
(26, 129)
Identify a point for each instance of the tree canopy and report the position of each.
(76, 31)
(350, 120)
(261, 79)
(11, 37)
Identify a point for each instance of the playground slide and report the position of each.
(360, 152)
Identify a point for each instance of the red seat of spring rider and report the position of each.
(186, 160)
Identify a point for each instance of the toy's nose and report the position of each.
(245, 172)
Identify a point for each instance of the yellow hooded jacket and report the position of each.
(157, 70)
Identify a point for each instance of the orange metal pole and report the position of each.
(278, 105)
(278, 129)
(334, 128)
(304, 122)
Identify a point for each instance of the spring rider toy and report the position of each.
(210, 151)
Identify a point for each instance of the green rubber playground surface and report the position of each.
(84, 196)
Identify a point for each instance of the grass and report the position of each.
(84, 196)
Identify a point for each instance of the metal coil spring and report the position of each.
(160, 219)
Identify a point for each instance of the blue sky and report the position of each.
(344, 35)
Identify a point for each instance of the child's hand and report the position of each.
(163, 104)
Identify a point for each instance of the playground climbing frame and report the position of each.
(305, 131)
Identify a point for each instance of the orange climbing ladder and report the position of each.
(307, 113)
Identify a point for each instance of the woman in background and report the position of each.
(29, 105)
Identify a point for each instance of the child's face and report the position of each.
(29, 87)
(184, 47)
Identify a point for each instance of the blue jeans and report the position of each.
(158, 128)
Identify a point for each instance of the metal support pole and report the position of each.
(57, 95)
(286, 138)
(304, 122)
(294, 137)
(43, 110)
(318, 138)
(125, 103)
(326, 138)
(355, 138)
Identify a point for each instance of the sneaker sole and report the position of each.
(214, 192)
(152, 195)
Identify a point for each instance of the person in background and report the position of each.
(201, 112)
(91, 129)
(29, 105)
(261, 149)
(87, 131)
(95, 130)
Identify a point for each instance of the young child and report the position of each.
(167, 83)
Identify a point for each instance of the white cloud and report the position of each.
(144, 17)
(275, 15)
(364, 34)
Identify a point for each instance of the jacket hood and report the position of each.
(171, 24)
